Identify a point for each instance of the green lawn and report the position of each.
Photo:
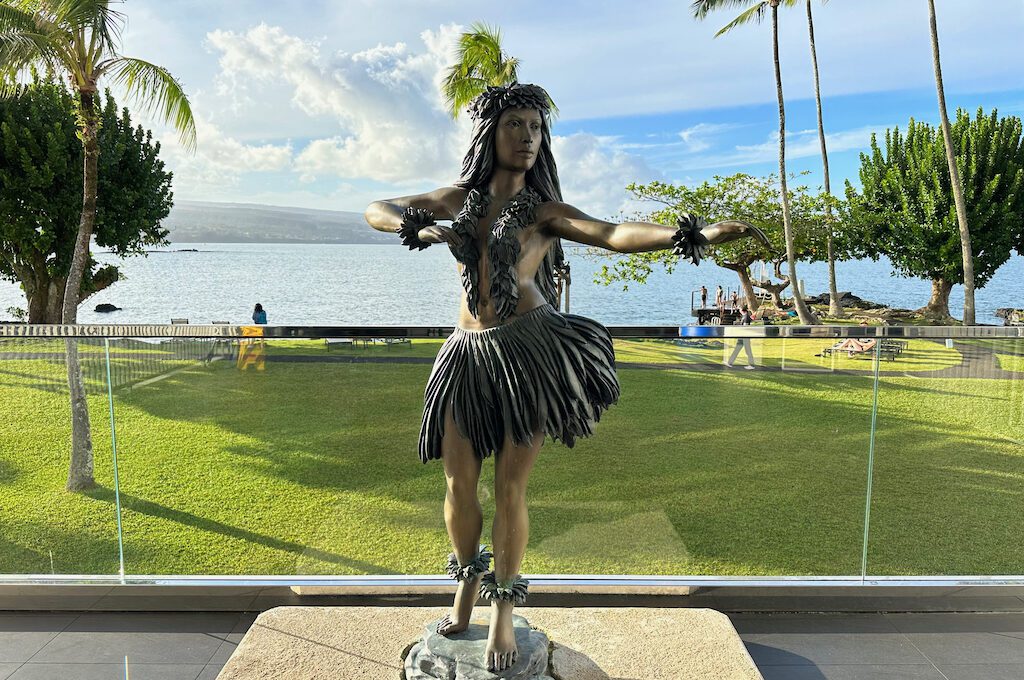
(1011, 362)
(311, 468)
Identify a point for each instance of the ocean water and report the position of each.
(378, 284)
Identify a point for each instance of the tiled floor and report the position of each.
(835, 646)
(929, 646)
(118, 645)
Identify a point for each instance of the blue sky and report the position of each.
(332, 104)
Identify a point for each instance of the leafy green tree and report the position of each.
(969, 276)
(906, 210)
(40, 184)
(79, 40)
(738, 196)
(756, 10)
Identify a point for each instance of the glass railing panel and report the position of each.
(300, 457)
(280, 457)
(948, 496)
(704, 469)
(44, 527)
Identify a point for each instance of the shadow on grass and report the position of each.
(9, 472)
(145, 507)
(29, 546)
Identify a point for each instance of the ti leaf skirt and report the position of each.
(542, 371)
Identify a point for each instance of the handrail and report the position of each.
(19, 330)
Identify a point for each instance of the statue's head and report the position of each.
(511, 131)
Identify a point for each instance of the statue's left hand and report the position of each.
(695, 236)
(730, 230)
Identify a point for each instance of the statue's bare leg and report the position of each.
(510, 532)
(464, 518)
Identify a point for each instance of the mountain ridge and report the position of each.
(216, 222)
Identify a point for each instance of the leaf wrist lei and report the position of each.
(414, 219)
(688, 241)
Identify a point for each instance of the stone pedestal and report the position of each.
(594, 643)
(461, 655)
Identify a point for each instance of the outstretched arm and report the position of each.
(565, 221)
(386, 215)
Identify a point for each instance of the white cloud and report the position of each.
(385, 101)
(800, 144)
(696, 137)
(219, 160)
(594, 174)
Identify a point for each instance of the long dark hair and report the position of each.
(478, 166)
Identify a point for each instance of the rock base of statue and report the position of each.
(460, 656)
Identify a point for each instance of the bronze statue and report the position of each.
(515, 369)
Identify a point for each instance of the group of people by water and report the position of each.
(720, 301)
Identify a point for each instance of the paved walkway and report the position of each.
(805, 646)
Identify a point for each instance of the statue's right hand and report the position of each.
(437, 233)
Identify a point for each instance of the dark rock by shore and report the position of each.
(105, 308)
(1011, 316)
(846, 299)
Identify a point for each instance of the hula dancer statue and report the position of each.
(515, 369)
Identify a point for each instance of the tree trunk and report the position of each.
(80, 472)
(775, 289)
(38, 299)
(55, 300)
(45, 297)
(804, 312)
(835, 309)
(938, 304)
(743, 272)
(954, 177)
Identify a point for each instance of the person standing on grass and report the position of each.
(743, 343)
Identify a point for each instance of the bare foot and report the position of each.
(501, 652)
(457, 620)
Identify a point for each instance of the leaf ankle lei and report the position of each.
(478, 565)
(514, 591)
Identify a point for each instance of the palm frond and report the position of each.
(485, 37)
(755, 14)
(508, 72)
(701, 8)
(27, 40)
(482, 55)
(155, 89)
(458, 92)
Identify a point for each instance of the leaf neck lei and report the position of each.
(502, 247)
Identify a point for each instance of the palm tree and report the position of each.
(756, 12)
(954, 176)
(481, 64)
(79, 40)
(835, 309)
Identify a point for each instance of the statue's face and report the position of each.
(517, 140)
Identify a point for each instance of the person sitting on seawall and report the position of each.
(743, 343)
(259, 316)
